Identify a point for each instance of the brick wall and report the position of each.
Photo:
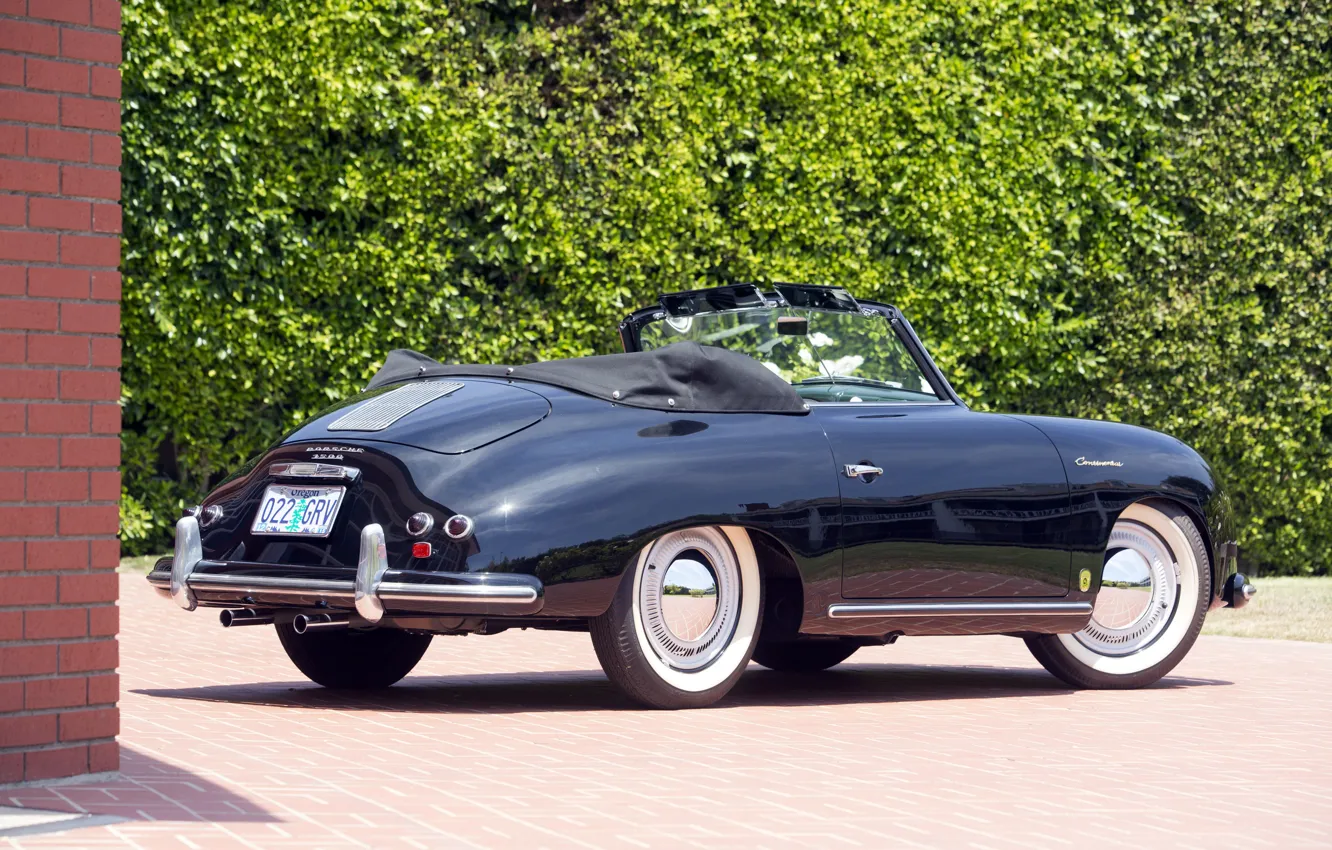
(59, 386)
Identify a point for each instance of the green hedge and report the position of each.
(1087, 207)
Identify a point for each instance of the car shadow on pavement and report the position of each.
(146, 788)
(589, 690)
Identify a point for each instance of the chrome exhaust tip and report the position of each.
(319, 622)
(244, 617)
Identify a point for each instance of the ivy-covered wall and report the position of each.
(1087, 208)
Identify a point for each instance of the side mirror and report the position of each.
(792, 326)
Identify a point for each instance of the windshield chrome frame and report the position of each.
(633, 324)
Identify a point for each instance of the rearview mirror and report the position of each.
(792, 325)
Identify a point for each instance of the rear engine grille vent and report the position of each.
(380, 412)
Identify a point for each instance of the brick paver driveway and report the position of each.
(517, 740)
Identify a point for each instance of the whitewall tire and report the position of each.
(1149, 609)
(683, 625)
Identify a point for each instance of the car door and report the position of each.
(967, 504)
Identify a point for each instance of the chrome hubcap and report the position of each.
(1126, 590)
(689, 598)
(1139, 591)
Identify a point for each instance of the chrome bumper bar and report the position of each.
(188, 554)
(370, 569)
(192, 581)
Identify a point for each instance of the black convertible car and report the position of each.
(778, 473)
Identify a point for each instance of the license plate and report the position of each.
(306, 511)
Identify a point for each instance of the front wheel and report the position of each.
(1155, 587)
(353, 658)
(682, 626)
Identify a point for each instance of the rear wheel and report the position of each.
(682, 626)
(803, 656)
(354, 658)
(1154, 592)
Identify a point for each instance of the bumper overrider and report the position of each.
(191, 580)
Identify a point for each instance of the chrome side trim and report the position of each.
(370, 569)
(188, 554)
(382, 411)
(313, 470)
(886, 404)
(846, 610)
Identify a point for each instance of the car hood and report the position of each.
(466, 414)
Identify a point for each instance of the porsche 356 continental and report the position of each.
(777, 473)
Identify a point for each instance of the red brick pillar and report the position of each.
(59, 386)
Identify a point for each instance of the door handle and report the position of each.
(864, 471)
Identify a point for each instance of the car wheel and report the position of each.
(1148, 611)
(682, 626)
(803, 656)
(354, 658)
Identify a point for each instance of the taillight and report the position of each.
(458, 527)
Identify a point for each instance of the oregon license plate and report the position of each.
(298, 510)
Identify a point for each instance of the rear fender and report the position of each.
(570, 499)
(573, 501)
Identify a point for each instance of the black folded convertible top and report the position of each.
(684, 376)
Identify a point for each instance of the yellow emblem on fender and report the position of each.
(1084, 581)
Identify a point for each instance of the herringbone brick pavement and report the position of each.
(517, 740)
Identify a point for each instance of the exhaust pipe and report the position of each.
(319, 622)
(245, 617)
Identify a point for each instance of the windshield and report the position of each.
(827, 356)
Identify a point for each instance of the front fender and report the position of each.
(1111, 465)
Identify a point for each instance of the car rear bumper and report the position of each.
(1238, 591)
(191, 581)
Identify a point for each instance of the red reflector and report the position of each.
(421, 550)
